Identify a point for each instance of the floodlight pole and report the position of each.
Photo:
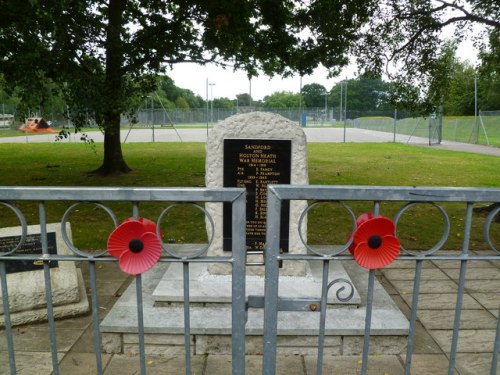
(475, 110)
(341, 95)
(152, 121)
(212, 102)
(326, 105)
(207, 107)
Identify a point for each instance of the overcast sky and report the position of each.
(228, 83)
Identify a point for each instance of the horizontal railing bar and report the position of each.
(401, 257)
(137, 194)
(386, 193)
(287, 304)
(73, 258)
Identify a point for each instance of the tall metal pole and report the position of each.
(345, 101)
(475, 110)
(326, 106)
(250, 91)
(212, 102)
(341, 95)
(207, 106)
(152, 119)
(300, 101)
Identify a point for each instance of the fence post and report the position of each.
(394, 128)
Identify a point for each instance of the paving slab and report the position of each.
(285, 365)
(490, 301)
(475, 364)
(351, 365)
(444, 319)
(130, 365)
(29, 363)
(426, 286)
(427, 364)
(481, 286)
(81, 363)
(36, 339)
(423, 343)
(469, 341)
(484, 273)
(439, 301)
(404, 274)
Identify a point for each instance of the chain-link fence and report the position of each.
(482, 129)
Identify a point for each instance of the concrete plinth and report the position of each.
(211, 323)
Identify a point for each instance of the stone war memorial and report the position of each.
(252, 151)
(27, 298)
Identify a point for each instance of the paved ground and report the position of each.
(432, 345)
(313, 135)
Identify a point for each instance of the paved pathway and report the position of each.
(432, 344)
(313, 135)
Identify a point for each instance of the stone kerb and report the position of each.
(257, 125)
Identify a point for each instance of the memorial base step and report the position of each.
(211, 325)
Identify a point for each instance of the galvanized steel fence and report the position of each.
(277, 194)
(408, 196)
(102, 197)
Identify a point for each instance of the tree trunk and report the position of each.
(113, 162)
(113, 86)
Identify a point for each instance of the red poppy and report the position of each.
(376, 244)
(150, 225)
(360, 220)
(137, 248)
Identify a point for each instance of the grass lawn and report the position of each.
(182, 165)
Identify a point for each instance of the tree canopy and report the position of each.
(106, 52)
(403, 38)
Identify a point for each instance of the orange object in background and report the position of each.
(36, 125)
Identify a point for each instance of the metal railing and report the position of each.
(134, 196)
(277, 194)
(409, 196)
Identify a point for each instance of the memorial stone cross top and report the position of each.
(253, 150)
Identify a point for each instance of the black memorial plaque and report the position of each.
(254, 164)
(32, 246)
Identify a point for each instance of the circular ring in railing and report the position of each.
(443, 238)
(64, 232)
(193, 253)
(24, 227)
(332, 250)
(487, 227)
(341, 289)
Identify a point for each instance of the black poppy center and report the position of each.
(375, 241)
(136, 245)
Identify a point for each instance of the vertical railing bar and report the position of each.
(271, 282)
(496, 348)
(48, 288)
(369, 307)
(368, 322)
(413, 318)
(95, 316)
(7, 321)
(140, 307)
(238, 297)
(187, 319)
(322, 321)
(140, 323)
(461, 287)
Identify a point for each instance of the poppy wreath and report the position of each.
(136, 245)
(374, 242)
